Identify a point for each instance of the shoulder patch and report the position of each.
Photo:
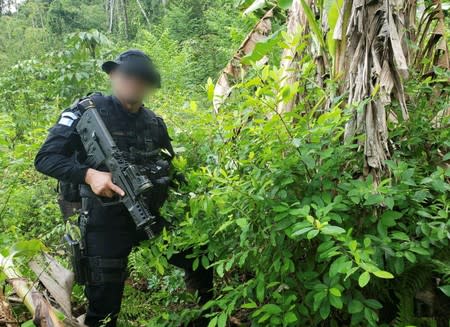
(66, 121)
(67, 118)
(94, 93)
(70, 115)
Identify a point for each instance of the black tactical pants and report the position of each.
(111, 234)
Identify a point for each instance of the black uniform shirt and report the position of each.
(62, 155)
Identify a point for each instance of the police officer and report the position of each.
(110, 232)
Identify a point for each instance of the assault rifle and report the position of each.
(102, 150)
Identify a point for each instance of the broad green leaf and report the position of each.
(261, 48)
(222, 320)
(256, 4)
(280, 208)
(364, 279)
(350, 272)
(419, 250)
(290, 318)
(374, 304)
(271, 308)
(285, 4)
(28, 323)
(325, 310)
(332, 230)
(210, 89)
(373, 199)
(260, 288)
(410, 256)
(336, 302)
(335, 291)
(27, 247)
(213, 322)
(389, 217)
(355, 306)
(312, 234)
(242, 222)
(318, 298)
(332, 8)
(325, 246)
(249, 305)
(340, 265)
(264, 317)
(445, 289)
(400, 236)
(302, 231)
(219, 269)
(383, 274)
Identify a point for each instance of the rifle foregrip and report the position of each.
(149, 232)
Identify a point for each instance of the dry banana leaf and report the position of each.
(375, 66)
(432, 45)
(6, 316)
(234, 70)
(56, 279)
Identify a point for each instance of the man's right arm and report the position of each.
(56, 157)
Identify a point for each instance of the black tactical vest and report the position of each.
(140, 136)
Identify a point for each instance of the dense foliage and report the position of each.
(276, 203)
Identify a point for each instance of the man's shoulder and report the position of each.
(98, 99)
(156, 119)
(72, 113)
(151, 114)
(93, 96)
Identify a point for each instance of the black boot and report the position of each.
(201, 281)
(199, 322)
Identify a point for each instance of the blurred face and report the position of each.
(129, 88)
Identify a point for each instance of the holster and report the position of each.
(77, 247)
(92, 270)
(77, 259)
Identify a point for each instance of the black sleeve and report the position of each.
(165, 139)
(57, 156)
(166, 144)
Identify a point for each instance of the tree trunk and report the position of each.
(125, 18)
(111, 15)
(296, 23)
(143, 12)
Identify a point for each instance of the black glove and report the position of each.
(181, 178)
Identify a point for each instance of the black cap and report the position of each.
(137, 63)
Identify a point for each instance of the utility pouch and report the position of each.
(77, 259)
(68, 199)
(69, 191)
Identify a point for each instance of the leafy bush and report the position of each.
(296, 234)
